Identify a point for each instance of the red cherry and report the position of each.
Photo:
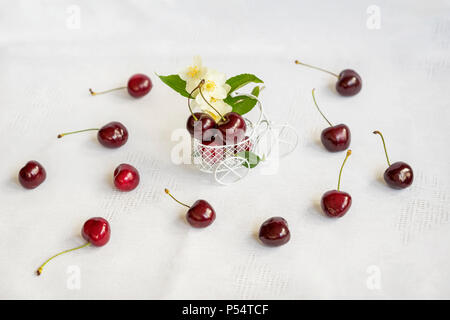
(398, 175)
(274, 232)
(32, 175)
(95, 231)
(335, 138)
(126, 177)
(200, 215)
(199, 123)
(232, 127)
(336, 203)
(111, 135)
(138, 86)
(349, 83)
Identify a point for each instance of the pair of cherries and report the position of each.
(336, 203)
(111, 135)
(399, 175)
(230, 129)
(273, 232)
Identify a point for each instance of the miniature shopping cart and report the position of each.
(227, 162)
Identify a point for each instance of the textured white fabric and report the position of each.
(391, 244)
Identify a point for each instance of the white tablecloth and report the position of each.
(391, 244)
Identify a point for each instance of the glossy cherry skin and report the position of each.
(232, 128)
(113, 135)
(126, 177)
(201, 214)
(349, 83)
(139, 85)
(399, 175)
(204, 123)
(32, 175)
(274, 232)
(335, 203)
(336, 138)
(96, 231)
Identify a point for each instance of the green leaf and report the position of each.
(253, 159)
(241, 80)
(255, 91)
(176, 83)
(242, 104)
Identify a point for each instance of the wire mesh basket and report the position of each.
(226, 162)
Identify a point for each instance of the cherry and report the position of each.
(111, 135)
(138, 86)
(126, 177)
(274, 232)
(199, 123)
(349, 82)
(335, 138)
(32, 175)
(232, 127)
(95, 231)
(336, 203)
(200, 215)
(398, 175)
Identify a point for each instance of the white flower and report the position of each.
(193, 74)
(214, 86)
(218, 104)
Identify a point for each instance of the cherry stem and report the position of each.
(315, 102)
(349, 152)
(317, 68)
(384, 146)
(39, 271)
(93, 93)
(67, 133)
(183, 204)
(201, 93)
(190, 97)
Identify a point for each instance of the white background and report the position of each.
(391, 244)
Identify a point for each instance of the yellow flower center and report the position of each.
(214, 115)
(210, 85)
(213, 100)
(193, 70)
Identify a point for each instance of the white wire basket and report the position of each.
(262, 136)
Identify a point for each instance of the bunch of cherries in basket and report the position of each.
(229, 130)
